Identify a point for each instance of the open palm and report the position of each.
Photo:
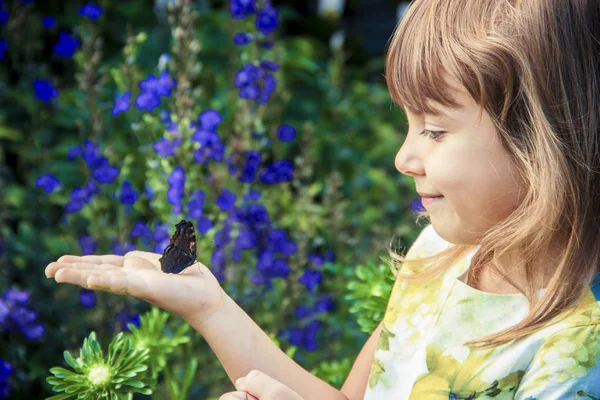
(193, 294)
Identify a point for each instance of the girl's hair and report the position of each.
(534, 66)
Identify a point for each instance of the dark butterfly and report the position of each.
(181, 251)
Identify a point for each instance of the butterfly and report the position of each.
(181, 251)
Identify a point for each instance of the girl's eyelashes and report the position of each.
(434, 135)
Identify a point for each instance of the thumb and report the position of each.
(262, 386)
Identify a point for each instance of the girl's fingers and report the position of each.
(76, 276)
(53, 267)
(115, 260)
(237, 396)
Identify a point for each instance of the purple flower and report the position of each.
(242, 38)
(226, 199)
(252, 195)
(87, 298)
(148, 191)
(3, 48)
(141, 229)
(88, 244)
(286, 133)
(122, 103)
(278, 172)
(209, 120)
(67, 45)
(91, 10)
(311, 279)
(49, 22)
(165, 147)
(128, 194)
(48, 182)
(240, 9)
(302, 312)
(267, 19)
(218, 264)
(44, 90)
(90, 153)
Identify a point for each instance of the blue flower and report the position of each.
(311, 279)
(140, 229)
(88, 244)
(48, 182)
(324, 304)
(3, 16)
(121, 248)
(416, 205)
(128, 194)
(240, 9)
(226, 199)
(177, 178)
(165, 147)
(204, 225)
(49, 22)
(105, 173)
(3, 48)
(211, 147)
(122, 103)
(255, 83)
(286, 133)
(196, 204)
(16, 316)
(67, 45)
(6, 369)
(147, 101)
(278, 172)
(123, 318)
(302, 312)
(44, 90)
(148, 192)
(87, 298)
(91, 10)
(316, 260)
(252, 195)
(90, 153)
(209, 120)
(242, 38)
(217, 261)
(269, 65)
(74, 152)
(267, 19)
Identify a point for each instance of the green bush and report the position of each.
(94, 147)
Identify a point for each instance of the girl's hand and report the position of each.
(193, 295)
(260, 386)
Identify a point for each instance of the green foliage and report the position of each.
(95, 377)
(346, 195)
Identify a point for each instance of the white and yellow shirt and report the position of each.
(420, 353)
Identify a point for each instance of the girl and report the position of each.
(496, 297)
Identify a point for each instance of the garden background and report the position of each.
(267, 124)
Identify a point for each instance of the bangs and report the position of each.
(428, 50)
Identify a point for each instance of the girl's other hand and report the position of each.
(193, 294)
(260, 386)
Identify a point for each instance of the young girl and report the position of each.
(496, 297)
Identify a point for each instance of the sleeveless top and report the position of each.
(420, 353)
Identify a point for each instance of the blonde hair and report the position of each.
(533, 66)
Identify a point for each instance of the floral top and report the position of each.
(420, 354)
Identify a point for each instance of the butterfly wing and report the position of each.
(181, 251)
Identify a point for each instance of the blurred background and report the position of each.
(266, 123)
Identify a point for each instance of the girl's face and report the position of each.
(466, 164)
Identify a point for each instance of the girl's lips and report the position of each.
(427, 201)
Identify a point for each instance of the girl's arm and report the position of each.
(241, 346)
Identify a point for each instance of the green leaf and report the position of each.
(188, 378)
(61, 396)
(70, 360)
(10, 134)
(60, 372)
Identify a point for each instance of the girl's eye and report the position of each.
(435, 135)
